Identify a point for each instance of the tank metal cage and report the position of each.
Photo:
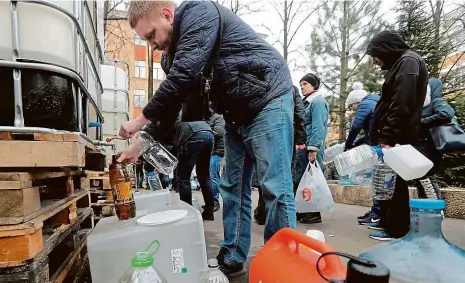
(80, 90)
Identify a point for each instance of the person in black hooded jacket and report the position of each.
(397, 118)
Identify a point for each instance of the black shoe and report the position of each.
(231, 270)
(217, 206)
(299, 216)
(364, 216)
(311, 218)
(208, 214)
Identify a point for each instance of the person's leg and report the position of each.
(186, 161)
(235, 189)
(398, 218)
(260, 210)
(215, 165)
(269, 139)
(203, 173)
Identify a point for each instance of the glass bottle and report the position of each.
(155, 154)
(120, 183)
(423, 255)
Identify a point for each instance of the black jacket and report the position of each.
(299, 119)
(216, 123)
(398, 112)
(249, 72)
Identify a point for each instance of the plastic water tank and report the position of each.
(115, 104)
(146, 200)
(182, 256)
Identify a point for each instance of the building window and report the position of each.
(158, 73)
(139, 98)
(139, 69)
(138, 41)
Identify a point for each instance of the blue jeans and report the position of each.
(215, 166)
(266, 143)
(195, 152)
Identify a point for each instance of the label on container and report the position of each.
(177, 260)
(123, 191)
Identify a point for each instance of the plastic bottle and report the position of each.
(155, 154)
(213, 274)
(357, 159)
(142, 269)
(363, 178)
(423, 255)
(120, 183)
(332, 152)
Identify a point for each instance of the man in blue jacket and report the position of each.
(316, 129)
(251, 87)
(364, 104)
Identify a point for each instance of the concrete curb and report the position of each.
(362, 196)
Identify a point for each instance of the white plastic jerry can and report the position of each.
(407, 162)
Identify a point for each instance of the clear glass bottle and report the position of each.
(213, 274)
(423, 255)
(155, 154)
(142, 269)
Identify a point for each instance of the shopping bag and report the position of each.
(313, 194)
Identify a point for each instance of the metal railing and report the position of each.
(79, 84)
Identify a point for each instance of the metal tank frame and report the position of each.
(80, 90)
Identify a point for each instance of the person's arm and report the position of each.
(198, 34)
(403, 100)
(443, 113)
(317, 130)
(357, 125)
(299, 120)
(218, 127)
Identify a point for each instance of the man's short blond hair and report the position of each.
(141, 8)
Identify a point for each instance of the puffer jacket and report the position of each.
(363, 120)
(216, 123)
(249, 72)
(437, 113)
(398, 112)
(299, 118)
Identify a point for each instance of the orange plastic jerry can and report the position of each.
(290, 257)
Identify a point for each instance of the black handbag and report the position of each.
(449, 138)
(196, 107)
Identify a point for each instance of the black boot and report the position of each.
(311, 218)
(208, 213)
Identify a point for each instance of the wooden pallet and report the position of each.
(60, 254)
(26, 195)
(48, 150)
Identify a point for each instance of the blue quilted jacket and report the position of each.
(249, 72)
(363, 120)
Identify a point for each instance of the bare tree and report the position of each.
(242, 8)
(338, 43)
(116, 29)
(293, 15)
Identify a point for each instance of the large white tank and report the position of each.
(115, 102)
(56, 32)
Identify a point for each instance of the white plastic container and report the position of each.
(407, 162)
(182, 256)
(146, 200)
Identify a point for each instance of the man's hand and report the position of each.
(130, 155)
(385, 146)
(300, 146)
(312, 156)
(129, 128)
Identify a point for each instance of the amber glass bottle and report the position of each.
(125, 205)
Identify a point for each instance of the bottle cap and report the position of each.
(430, 204)
(213, 263)
(142, 259)
(362, 270)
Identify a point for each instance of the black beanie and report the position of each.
(312, 79)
